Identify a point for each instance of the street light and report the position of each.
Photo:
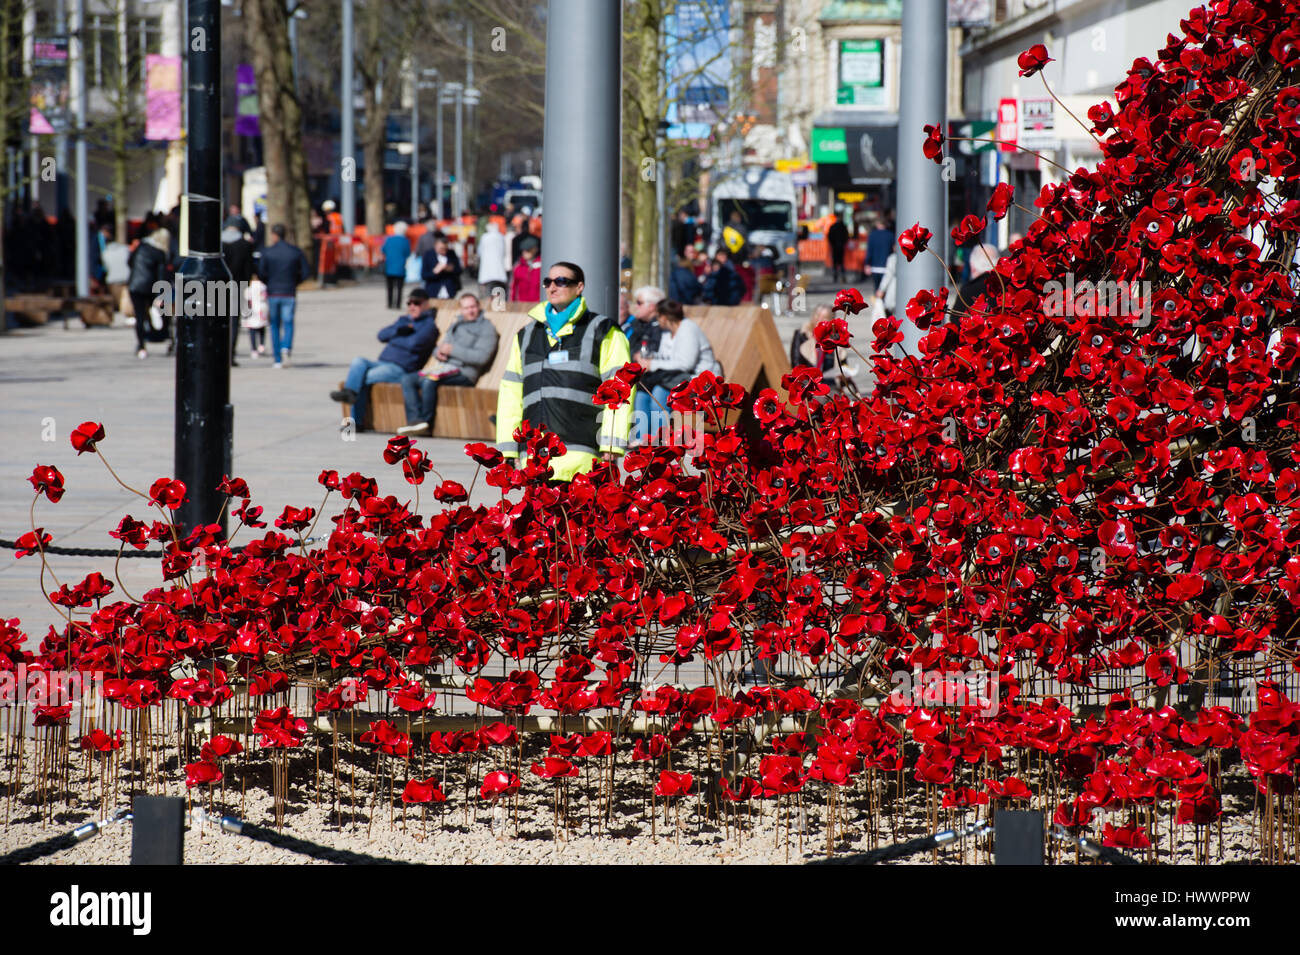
(416, 86)
(454, 93)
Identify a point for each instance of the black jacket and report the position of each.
(413, 349)
(724, 287)
(435, 284)
(283, 268)
(239, 259)
(148, 267)
(683, 285)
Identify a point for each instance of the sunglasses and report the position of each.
(561, 282)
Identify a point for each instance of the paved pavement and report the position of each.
(286, 433)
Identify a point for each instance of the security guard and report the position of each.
(556, 364)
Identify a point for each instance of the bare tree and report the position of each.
(383, 40)
(281, 117)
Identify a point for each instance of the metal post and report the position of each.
(415, 144)
(206, 305)
(581, 133)
(293, 46)
(436, 207)
(458, 206)
(61, 140)
(79, 105)
(922, 191)
(347, 177)
(158, 830)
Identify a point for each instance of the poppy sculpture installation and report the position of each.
(1098, 505)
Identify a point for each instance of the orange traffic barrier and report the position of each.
(814, 250)
(328, 259)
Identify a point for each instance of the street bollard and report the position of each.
(1018, 837)
(158, 830)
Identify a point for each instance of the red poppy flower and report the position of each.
(487, 456)
(221, 746)
(612, 393)
(1130, 836)
(968, 229)
(31, 542)
(396, 449)
(499, 734)
(499, 783)
(451, 492)
(168, 493)
(1000, 200)
(914, 240)
(423, 790)
(238, 487)
(386, 739)
(848, 300)
(552, 767)
(279, 728)
(101, 742)
(47, 480)
(202, 773)
(933, 145)
(832, 333)
(86, 435)
(1033, 60)
(672, 785)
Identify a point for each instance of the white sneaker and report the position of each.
(414, 430)
(276, 365)
(142, 354)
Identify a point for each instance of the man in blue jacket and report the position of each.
(283, 268)
(408, 342)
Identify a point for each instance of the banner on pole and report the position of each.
(162, 97)
(49, 90)
(246, 108)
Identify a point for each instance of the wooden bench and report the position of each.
(744, 340)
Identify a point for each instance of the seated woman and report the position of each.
(684, 352)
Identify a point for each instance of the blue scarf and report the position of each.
(557, 320)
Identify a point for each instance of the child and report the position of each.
(256, 316)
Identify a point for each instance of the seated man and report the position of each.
(461, 358)
(409, 342)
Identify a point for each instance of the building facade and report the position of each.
(1093, 44)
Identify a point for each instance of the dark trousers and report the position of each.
(421, 395)
(837, 263)
(394, 290)
(140, 304)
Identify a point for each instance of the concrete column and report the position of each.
(581, 144)
(922, 191)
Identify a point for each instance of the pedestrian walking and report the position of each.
(557, 361)
(283, 268)
(395, 250)
(237, 250)
(880, 242)
(492, 265)
(148, 265)
(837, 237)
(256, 316)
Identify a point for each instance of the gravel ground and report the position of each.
(467, 830)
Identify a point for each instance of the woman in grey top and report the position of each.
(684, 352)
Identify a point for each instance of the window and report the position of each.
(143, 36)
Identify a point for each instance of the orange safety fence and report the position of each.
(814, 250)
(328, 257)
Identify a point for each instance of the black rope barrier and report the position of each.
(1093, 849)
(293, 844)
(106, 551)
(65, 840)
(901, 850)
